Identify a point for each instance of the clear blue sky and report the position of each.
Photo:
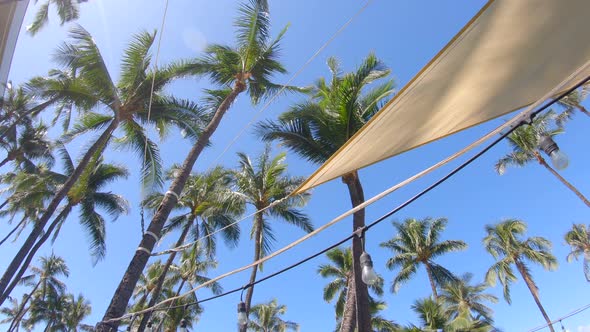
(405, 35)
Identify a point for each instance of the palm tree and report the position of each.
(265, 186)
(13, 314)
(572, 103)
(212, 205)
(47, 276)
(78, 309)
(194, 265)
(341, 272)
(126, 104)
(32, 144)
(50, 310)
(246, 67)
(27, 194)
(89, 199)
(417, 243)
(317, 128)
(67, 10)
(173, 316)
(463, 300)
(148, 282)
(266, 318)
(524, 142)
(579, 239)
(191, 271)
(505, 242)
(18, 109)
(434, 317)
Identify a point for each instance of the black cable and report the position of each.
(267, 277)
(401, 206)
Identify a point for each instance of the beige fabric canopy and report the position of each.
(509, 55)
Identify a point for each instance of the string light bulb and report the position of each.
(242, 316)
(368, 273)
(183, 325)
(558, 158)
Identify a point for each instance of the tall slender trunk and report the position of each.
(349, 315)
(357, 197)
(534, 291)
(62, 215)
(22, 221)
(543, 163)
(123, 292)
(156, 292)
(257, 253)
(59, 196)
(431, 279)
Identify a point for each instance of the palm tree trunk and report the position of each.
(349, 315)
(13, 230)
(158, 289)
(98, 146)
(543, 162)
(123, 292)
(357, 197)
(60, 218)
(431, 279)
(257, 253)
(534, 291)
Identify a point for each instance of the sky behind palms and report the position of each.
(405, 35)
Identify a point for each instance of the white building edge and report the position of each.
(12, 13)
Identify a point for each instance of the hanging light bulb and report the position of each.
(242, 316)
(183, 325)
(558, 158)
(183, 133)
(368, 273)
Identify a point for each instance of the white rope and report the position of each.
(164, 15)
(514, 121)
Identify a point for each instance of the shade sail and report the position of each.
(508, 56)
